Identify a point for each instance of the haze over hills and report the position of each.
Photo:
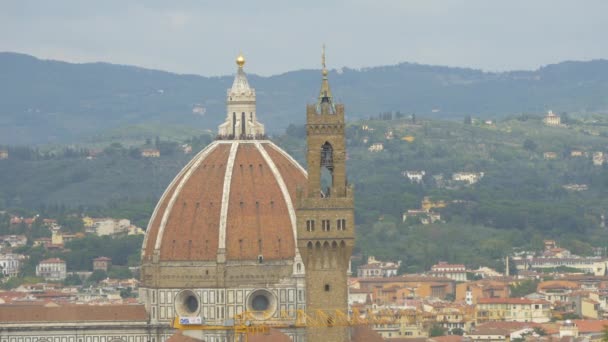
(56, 102)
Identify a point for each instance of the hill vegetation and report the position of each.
(55, 102)
(524, 196)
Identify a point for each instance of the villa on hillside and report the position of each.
(414, 176)
(150, 153)
(467, 177)
(552, 119)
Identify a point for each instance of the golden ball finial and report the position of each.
(325, 72)
(240, 60)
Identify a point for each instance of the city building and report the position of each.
(427, 204)
(577, 153)
(592, 265)
(512, 309)
(414, 176)
(423, 216)
(471, 292)
(102, 263)
(14, 241)
(79, 323)
(376, 147)
(10, 264)
(3, 154)
(377, 268)
(53, 269)
(599, 158)
(556, 291)
(467, 177)
(109, 226)
(186, 148)
(552, 119)
(150, 153)
(549, 155)
(457, 272)
(397, 290)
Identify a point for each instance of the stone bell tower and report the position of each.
(325, 214)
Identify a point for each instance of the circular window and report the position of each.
(191, 303)
(187, 303)
(262, 303)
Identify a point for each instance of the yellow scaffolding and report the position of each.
(256, 322)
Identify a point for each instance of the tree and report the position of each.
(468, 120)
(540, 331)
(524, 288)
(117, 272)
(605, 333)
(71, 223)
(457, 331)
(97, 276)
(115, 149)
(436, 330)
(530, 145)
(127, 293)
(72, 280)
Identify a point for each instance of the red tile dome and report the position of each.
(235, 198)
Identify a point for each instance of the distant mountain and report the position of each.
(45, 101)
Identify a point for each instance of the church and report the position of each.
(241, 228)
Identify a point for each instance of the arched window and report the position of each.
(327, 169)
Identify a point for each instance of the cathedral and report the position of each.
(241, 228)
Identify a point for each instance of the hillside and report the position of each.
(522, 198)
(56, 102)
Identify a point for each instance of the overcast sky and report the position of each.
(203, 37)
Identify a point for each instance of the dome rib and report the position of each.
(288, 157)
(233, 201)
(226, 197)
(283, 187)
(177, 192)
(160, 206)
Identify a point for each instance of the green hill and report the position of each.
(520, 200)
(56, 102)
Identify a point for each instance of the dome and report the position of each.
(234, 201)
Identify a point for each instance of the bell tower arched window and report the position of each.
(327, 169)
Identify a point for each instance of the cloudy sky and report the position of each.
(276, 36)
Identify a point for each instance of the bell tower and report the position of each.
(325, 214)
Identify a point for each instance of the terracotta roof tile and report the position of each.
(257, 222)
(586, 326)
(71, 313)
